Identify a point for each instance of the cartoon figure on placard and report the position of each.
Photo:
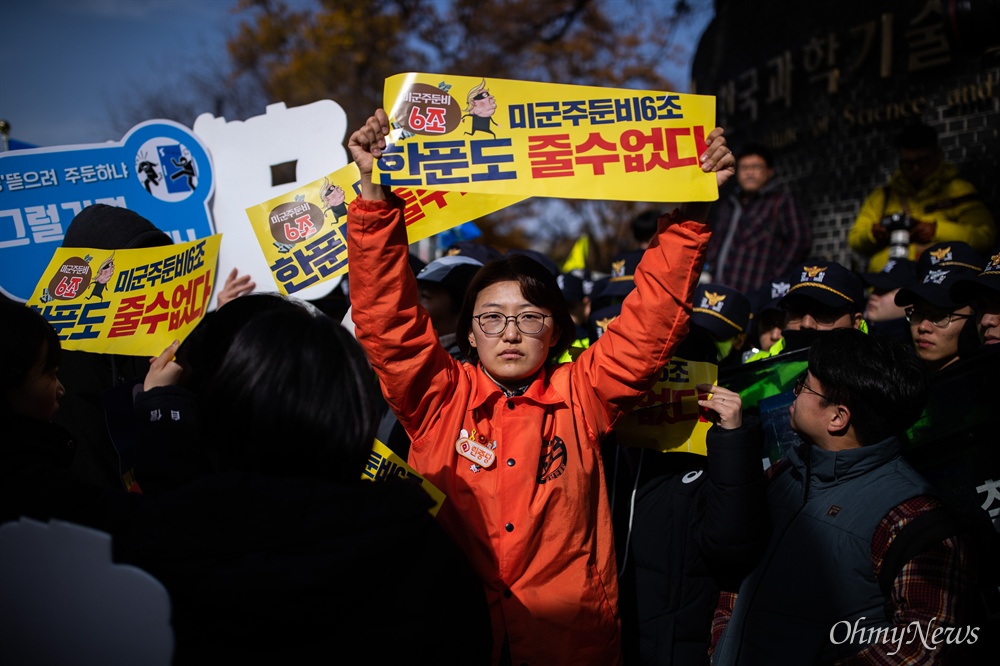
(104, 274)
(186, 167)
(70, 280)
(333, 199)
(294, 222)
(482, 106)
(176, 162)
(148, 169)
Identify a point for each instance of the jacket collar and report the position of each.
(539, 390)
(935, 181)
(826, 468)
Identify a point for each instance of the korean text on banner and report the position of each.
(159, 170)
(131, 302)
(673, 401)
(303, 233)
(383, 463)
(497, 136)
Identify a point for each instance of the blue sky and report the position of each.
(63, 62)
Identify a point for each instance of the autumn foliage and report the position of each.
(343, 50)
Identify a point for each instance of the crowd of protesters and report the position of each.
(501, 380)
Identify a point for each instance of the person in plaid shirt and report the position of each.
(759, 232)
(837, 501)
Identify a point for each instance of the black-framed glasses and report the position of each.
(940, 318)
(800, 385)
(482, 95)
(495, 323)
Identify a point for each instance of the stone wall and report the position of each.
(828, 84)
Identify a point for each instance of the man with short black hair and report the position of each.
(759, 232)
(837, 502)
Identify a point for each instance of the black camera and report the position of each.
(898, 225)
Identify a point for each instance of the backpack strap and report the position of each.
(951, 203)
(918, 535)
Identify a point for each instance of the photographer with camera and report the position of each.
(924, 202)
(899, 227)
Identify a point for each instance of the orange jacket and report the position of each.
(536, 524)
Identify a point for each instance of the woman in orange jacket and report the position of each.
(512, 439)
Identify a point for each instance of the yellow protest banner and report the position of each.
(383, 463)
(498, 136)
(303, 233)
(668, 419)
(132, 302)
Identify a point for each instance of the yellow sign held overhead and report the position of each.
(131, 302)
(303, 233)
(498, 136)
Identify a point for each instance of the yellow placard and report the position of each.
(498, 136)
(132, 302)
(303, 233)
(383, 463)
(668, 419)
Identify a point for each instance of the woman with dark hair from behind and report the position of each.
(280, 551)
(172, 455)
